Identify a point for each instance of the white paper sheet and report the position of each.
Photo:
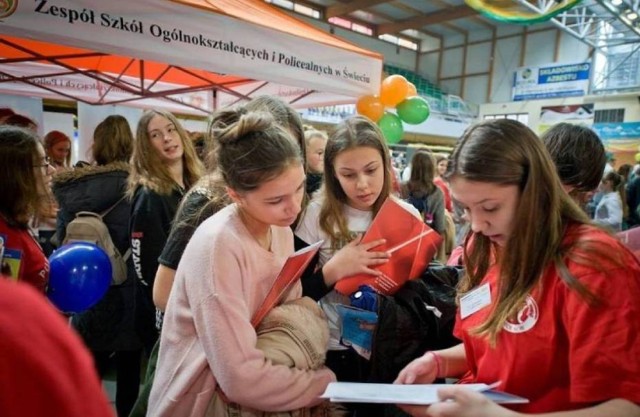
(419, 394)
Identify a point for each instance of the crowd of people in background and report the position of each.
(209, 218)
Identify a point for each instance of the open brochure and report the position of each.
(412, 245)
(418, 394)
(290, 273)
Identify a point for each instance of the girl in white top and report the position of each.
(225, 273)
(357, 174)
(609, 209)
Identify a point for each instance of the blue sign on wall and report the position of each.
(551, 81)
(612, 131)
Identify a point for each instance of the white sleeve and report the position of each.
(309, 227)
(614, 212)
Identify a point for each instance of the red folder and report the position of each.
(412, 244)
(290, 273)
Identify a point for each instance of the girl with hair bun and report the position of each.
(204, 199)
(208, 195)
(208, 347)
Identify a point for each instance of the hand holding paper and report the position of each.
(355, 258)
(459, 400)
(420, 394)
(289, 275)
(410, 242)
(422, 370)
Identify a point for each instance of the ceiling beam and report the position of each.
(441, 16)
(456, 28)
(414, 12)
(389, 18)
(346, 8)
(483, 22)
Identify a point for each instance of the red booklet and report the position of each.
(290, 273)
(412, 244)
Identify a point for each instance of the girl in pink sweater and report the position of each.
(207, 342)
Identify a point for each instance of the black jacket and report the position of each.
(151, 218)
(107, 326)
(417, 318)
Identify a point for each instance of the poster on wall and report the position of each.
(552, 81)
(619, 137)
(623, 139)
(579, 114)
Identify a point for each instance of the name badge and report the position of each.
(475, 300)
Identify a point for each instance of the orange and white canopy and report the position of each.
(195, 54)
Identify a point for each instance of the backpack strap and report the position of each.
(127, 254)
(107, 211)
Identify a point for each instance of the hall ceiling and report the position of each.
(423, 20)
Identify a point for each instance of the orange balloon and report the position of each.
(413, 91)
(371, 107)
(394, 89)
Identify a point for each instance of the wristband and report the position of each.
(438, 361)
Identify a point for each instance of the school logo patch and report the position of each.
(7, 8)
(526, 318)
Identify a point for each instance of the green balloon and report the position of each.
(413, 110)
(391, 127)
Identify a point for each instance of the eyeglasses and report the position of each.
(46, 162)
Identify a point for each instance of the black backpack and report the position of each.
(422, 205)
(417, 318)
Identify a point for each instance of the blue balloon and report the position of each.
(79, 276)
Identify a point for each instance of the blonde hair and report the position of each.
(313, 133)
(147, 168)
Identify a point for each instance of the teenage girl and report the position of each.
(226, 270)
(25, 180)
(206, 198)
(357, 182)
(163, 166)
(107, 327)
(548, 306)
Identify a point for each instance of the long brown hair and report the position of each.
(19, 179)
(283, 115)
(506, 152)
(354, 132)
(112, 140)
(255, 150)
(146, 167)
(423, 172)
